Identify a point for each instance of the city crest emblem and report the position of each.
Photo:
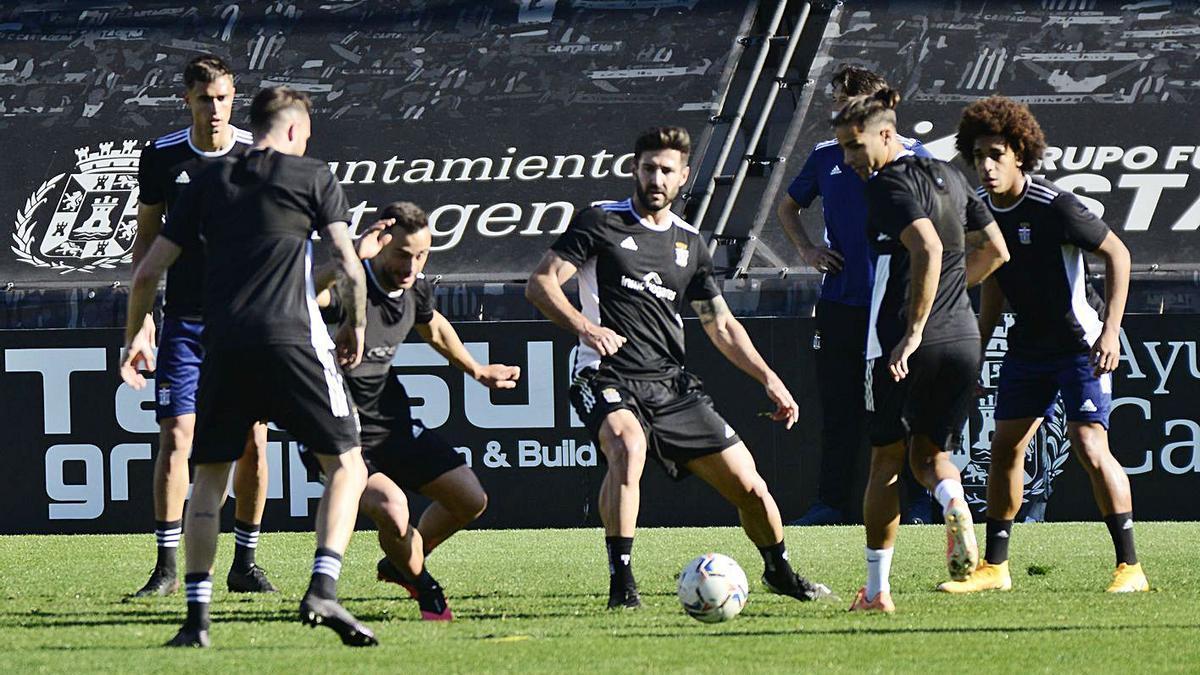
(681, 254)
(95, 219)
(1023, 233)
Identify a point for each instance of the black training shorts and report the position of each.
(679, 419)
(934, 400)
(298, 387)
(413, 456)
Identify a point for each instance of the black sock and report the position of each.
(245, 537)
(998, 534)
(1120, 528)
(166, 535)
(426, 582)
(327, 567)
(199, 595)
(775, 562)
(620, 561)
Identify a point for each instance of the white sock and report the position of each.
(879, 568)
(947, 491)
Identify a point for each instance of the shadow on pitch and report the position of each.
(879, 630)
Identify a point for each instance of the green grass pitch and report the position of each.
(533, 601)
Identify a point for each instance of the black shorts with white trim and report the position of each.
(298, 387)
(678, 418)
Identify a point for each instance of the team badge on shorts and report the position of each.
(681, 254)
(164, 395)
(611, 395)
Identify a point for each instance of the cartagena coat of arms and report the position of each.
(95, 220)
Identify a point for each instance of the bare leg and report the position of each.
(930, 463)
(345, 479)
(171, 466)
(624, 446)
(733, 474)
(250, 478)
(384, 502)
(1006, 482)
(203, 523)
(1110, 483)
(881, 501)
(458, 499)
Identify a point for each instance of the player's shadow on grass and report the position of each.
(103, 617)
(876, 629)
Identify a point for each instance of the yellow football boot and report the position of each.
(985, 578)
(1129, 579)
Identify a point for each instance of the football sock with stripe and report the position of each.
(620, 561)
(327, 567)
(245, 537)
(199, 595)
(166, 535)
(998, 534)
(1120, 528)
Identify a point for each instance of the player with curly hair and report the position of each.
(1065, 339)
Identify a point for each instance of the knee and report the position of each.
(178, 438)
(625, 453)
(473, 506)
(1091, 448)
(752, 492)
(393, 518)
(886, 467)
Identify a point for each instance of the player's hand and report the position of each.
(786, 410)
(824, 259)
(498, 376)
(1106, 353)
(604, 340)
(371, 242)
(898, 362)
(138, 356)
(349, 345)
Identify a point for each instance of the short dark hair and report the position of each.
(271, 102)
(663, 138)
(867, 110)
(1002, 116)
(409, 217)
(855, 81)
(205, 69)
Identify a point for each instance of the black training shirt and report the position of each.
(379, 395)
(167, 166)
(255, 215)
(635, 277)
(906, 190)
(1045, 280)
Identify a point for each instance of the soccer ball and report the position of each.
(713, 588)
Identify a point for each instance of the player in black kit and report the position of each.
(922, 344)
(399, 451)
(268, 355)
(167, 166)
(638, 263)
(1065, 339)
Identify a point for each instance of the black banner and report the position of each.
(78, 444)
(499, 117)
(1110, 85)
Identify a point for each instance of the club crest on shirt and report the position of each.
(681, 253)
(95, 219)
(1023, 233)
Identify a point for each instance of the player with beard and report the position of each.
(267, 354)
(934, 239)
(166, 167)
(638, 264)
(1066, 339)
(400, 453)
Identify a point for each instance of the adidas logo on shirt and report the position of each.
(837, 170)
(183, 178)
(1087, 406)
(629, 243)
